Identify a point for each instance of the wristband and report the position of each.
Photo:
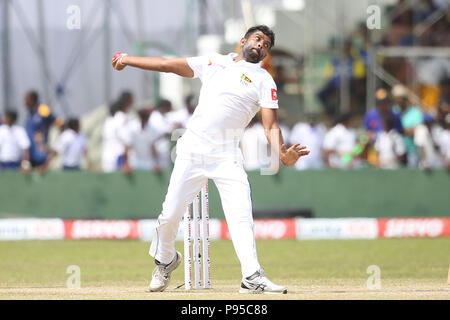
(121, 57)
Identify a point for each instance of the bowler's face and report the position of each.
(256, 47)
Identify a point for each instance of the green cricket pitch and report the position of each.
(326, 269)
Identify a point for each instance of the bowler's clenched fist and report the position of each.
(117, 61)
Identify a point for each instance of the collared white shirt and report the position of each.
(179, 117)
(13, 140)
(142, 139)
(444, 145)
(441, 138)
(311, 136)
(116, 135)
(71, 146)
(160, 122)
(422, 139)
(231, 95)
(389, 146)
(161, 125)
(342, 140)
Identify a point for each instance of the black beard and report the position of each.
(250, 55)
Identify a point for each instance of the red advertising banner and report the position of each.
(267, 229)
(413, 227)
(101, 229)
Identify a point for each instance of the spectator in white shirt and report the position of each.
(444, 143)
(311, 133)
(339, 143)
(160, 123)
(116, 136)
(72, 146)
(179, 118)
(389, 145)
(143, 154)
(14, 144)
(428, 155)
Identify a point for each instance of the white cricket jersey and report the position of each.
(13, 140)
(255, 148)
(231, 94)
(71, 146)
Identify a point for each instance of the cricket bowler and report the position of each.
(234, 88)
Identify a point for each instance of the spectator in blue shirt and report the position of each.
(37, 126)
(373, 119)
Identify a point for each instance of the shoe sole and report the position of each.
(178, 262)
(247, 291)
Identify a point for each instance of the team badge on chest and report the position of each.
(245, 80)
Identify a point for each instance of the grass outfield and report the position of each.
(327, 269)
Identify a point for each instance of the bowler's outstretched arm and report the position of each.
(178, 66)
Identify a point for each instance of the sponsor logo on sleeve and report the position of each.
(274, 95)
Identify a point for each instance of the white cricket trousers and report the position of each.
(188, 177)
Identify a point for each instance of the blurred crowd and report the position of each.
(131, 139)
(395, 133)
(409, 125)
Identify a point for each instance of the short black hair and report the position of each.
(33, 95)
(389, 122)
(164, 103)
(190, 100)
(264, 29)
(345, 117)
(125, 96)
(113, 108)
(73, 124)
(11, 115)
(143, 114)
(124, 100)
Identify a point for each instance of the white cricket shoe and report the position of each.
(161, 274)
(258, 283)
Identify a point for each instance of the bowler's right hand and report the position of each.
(117, 61)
